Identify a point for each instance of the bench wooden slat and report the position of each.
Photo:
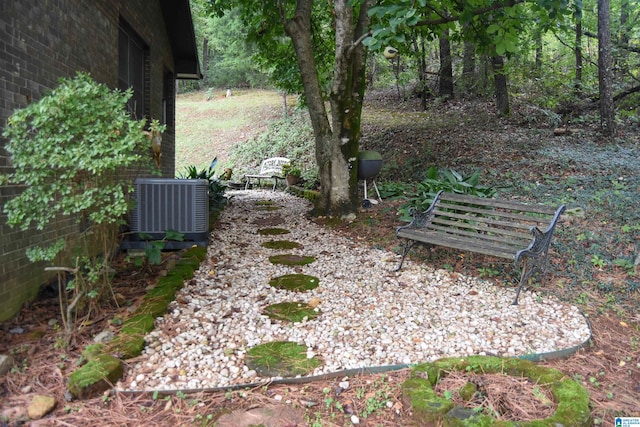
(486, 223)
(493, 236)
(502, 249)
(507, 204)
(501, 228)
(444, 208)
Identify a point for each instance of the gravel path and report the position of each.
(370, 315)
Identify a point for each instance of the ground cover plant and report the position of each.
(593, 265)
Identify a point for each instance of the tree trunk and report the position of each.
(578, 55)
(468, 66)
(421, 52)
(445, 86)
(337, 144)
(500, 85)
(621, 58)
(539, 55)
(605, 74)
(205, 61)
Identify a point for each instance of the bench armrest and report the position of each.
(541, 239)
(421, 219)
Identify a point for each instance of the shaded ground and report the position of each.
(592, 265)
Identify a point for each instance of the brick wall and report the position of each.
(40, 42)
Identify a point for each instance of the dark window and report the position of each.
(131, 69)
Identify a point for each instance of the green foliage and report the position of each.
(420, 195)
(291, 169)
(217, 199)
(262, 29)
(153, 250)
(69, 151)
(291, 137)
(231, 56)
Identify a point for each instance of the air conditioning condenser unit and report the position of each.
(163, 204)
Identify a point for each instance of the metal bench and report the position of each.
(269, 169)
(505, 229)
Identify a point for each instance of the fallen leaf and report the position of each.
(624, 324)
(314, 302)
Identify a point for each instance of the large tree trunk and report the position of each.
(421, 53)
(500, 85)
(445, 86)
(605, 74)
(337, 143)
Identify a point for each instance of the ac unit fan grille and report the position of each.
(170, 204)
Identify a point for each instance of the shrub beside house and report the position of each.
(141, 44)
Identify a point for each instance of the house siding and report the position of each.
(42, 41)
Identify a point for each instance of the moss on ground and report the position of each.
(281, 244)
(429, 408)
(291, 259)
(138, 324)
(104, 368)
(281, 359)
(95, 377)
(295, 282)
(310, 195)
(295, 311)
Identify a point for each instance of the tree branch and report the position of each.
(618, 45)
(481, 11)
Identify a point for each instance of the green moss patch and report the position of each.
(272, 231)
(126, 346)
(295, 311)
(153, 306)
(264, 203)
(104, 367)
(281, 359)
(291, 259)
(268, 208)
(138, 324)
(430, 408)
(295, 282)
(281, 244)
(98, 375)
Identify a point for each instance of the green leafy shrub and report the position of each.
(69, 152)
(217, 200)
(420, 195)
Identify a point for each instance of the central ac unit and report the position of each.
(162, 204)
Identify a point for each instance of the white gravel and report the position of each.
(370, 315)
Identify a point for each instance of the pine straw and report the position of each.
(501, 396)
(608, 368)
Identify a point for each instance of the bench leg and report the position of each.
(529, 267)
(406, 247)
(524, 276)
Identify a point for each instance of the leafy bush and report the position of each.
(69, 151)
(421, 195)
(217, 200)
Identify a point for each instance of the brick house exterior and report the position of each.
(147, 44)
